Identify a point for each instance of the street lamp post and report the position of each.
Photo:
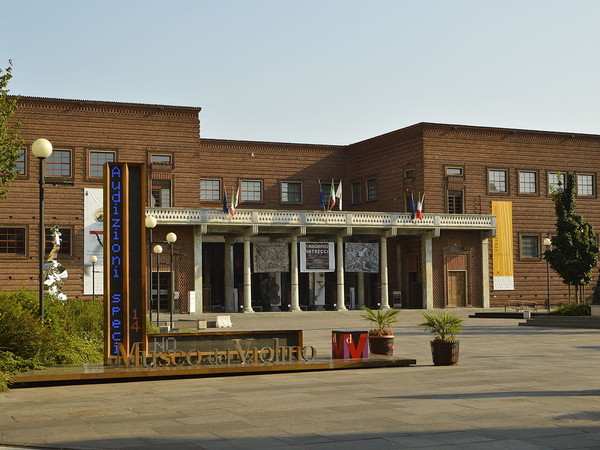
(171, 238)
(41, 149)
(93, 260)
(157, 249)
(547, 244)
(150, 223)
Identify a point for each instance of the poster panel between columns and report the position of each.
(317, 257)
(271, 257)
(361, 257)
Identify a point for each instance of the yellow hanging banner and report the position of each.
(502, 247)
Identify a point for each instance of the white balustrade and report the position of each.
(320, 218)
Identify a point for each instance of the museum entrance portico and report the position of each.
(296, 260)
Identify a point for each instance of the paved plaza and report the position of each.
(514, 388)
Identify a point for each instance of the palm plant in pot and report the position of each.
(444, 347)
(381, 336)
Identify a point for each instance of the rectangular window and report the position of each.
(585, 184)
(160, 159)
(371, 189)
(528, 182)
(96, 160)
(59, 164)
(455, 202)
(161, 193)
(251, 191)
(454, 171)
(530, 247)
(497, 181)
(409, 173)
(65, 242)
(357, 192)
(210, 190)
(556, 181)
(12, 241)
(291, 192)
(21, 162)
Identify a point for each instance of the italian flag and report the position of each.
(331, 196)
(234, 200)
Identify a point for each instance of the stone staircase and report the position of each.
(590, 322)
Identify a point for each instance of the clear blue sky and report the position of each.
(326, 71)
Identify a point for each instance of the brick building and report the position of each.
(487, 195)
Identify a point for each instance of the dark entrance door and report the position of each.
(161, 280)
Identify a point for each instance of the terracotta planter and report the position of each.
(444, 353)
(381, 345)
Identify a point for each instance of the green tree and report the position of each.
(10, 140)
(575, 251)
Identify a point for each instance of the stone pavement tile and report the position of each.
(595, 435)
(426, 407)
(304, 439)
(217, 428)
(320, 427)
(527, 433)
(254, 432)
(353, 443)
(507, 444)
(218, 417)
(187, 431)
(47, 425)
(305, 415)
(566, 441)
(152, 412)
(245, 443)
(459, 437)
(184, 441)
(419, 441)
(104, 442)
(170, 446)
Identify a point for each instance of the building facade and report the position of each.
(486, 203)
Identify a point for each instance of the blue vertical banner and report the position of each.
(125, 291)
(114, 244)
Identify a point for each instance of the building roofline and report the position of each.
(105, 104)
(249, 143)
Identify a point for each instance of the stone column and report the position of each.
(485, 271)
(383, 271)
(427, 258)
(341, 304)
(247, 277)
(295, 300)
(360, 287)
(229, 283)
(199, 231)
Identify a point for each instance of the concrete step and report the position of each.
(592, 322)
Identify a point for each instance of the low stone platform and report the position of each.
(98, 373)
(589, 322)
(504, 315)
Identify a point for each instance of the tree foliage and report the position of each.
(575, 251)
(10, 140)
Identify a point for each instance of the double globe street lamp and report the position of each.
(157, 249)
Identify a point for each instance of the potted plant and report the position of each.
(381, 336)
(444, 347)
